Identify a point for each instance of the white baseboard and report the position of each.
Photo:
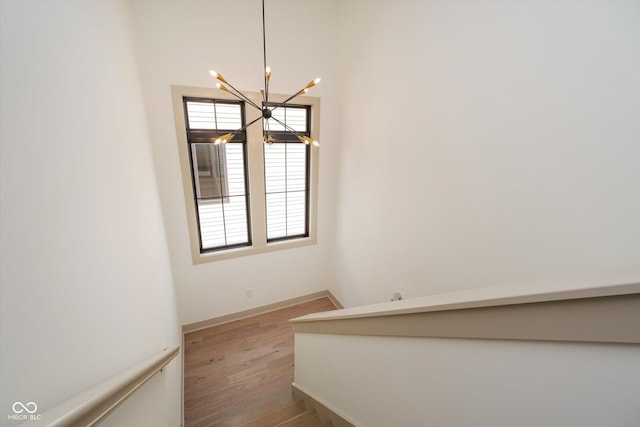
(191, 327)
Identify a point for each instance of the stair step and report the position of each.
(283, 411)
(250, 412)
(306, 419)
(277, 416)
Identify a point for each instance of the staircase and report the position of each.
(283, 411)
(241, 372)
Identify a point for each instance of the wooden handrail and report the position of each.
(92, 406)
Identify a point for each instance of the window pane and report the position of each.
(211, 223)
(296, 213)
(221, 199)
(229, 116)
(235, 168)
(228, 221)
(214, 115)
(201, 115)
(296, 167)
(294, 117)
(286, 172)
(210, 163)
(276, 215)
(223, 222)
(235, 214)
(275, 168)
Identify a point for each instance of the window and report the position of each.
(245, 197)
(218, 173)
(286, 165)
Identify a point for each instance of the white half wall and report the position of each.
(391, 381)
(484, 143)
(86, 286)
(178, 43)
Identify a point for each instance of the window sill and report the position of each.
(201, 258)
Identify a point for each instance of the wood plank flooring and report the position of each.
(239, 365)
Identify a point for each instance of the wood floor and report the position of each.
(240, 365)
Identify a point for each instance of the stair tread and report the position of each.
(306, 419)
(253, 411)
(279, 415)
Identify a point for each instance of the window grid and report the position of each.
(218, 173)
(287, 176)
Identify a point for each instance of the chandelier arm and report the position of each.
(295, 95)
(287, 127)
(242, 96)
(235, 92)
(247, 125)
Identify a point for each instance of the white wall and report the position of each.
(178, 42)
(384, 381)
(85, 278)
(484, 143)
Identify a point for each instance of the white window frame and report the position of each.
(255, 175)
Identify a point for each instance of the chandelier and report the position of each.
(266, 110)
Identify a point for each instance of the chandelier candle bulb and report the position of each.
(222, 87)
(223, 139)
(307, 140)
(218, 76)
(312, 83)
